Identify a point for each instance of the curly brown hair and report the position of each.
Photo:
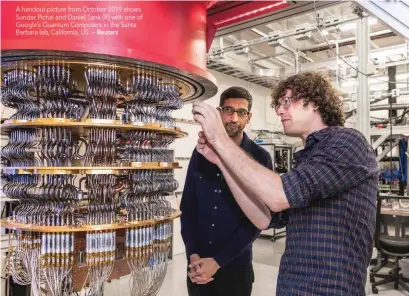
(314, 87)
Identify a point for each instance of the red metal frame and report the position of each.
(239, 13)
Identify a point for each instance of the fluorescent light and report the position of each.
(372, 21)
(259, 32)
(352, 25)
(348, 26)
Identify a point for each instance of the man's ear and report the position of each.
(315, 107)
(249, 117)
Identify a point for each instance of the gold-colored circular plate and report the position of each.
(191, 86)
(92, 170)
(89, 123)
(6, 223)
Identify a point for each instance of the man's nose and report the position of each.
(280, 110)
(234, 117)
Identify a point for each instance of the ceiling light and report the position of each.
(259, 32)
(348, 26)
(352, 25)
(372, 21)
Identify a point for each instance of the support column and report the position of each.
(407, 168)
(362, 102)
(337, 51)
(392, 86)
(297, 60)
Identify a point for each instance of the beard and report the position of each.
(233, 130)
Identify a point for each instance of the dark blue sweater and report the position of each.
(213, 225)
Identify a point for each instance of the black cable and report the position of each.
(390, 142)
(400, 116)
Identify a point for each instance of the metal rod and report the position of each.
(337, 51)
(394, 196)
(389, 107)
(363, 104)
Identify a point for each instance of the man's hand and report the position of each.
(207, 150)
(194, 257)
(211, 122)
(193, 274)
(208, 267)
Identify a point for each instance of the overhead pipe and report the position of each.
(387, 95)
(381, 97)
(341, 42)
(350, 41)
(275, 38)
(373, 107)
(389, 107)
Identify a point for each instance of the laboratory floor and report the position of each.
(266, 259)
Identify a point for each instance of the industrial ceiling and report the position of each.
(269, 59)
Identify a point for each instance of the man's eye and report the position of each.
(242, 112)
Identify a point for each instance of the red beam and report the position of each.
(209, 4)
(239, 13)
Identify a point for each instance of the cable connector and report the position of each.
(357, 10)
(395, 93)
(320, 22)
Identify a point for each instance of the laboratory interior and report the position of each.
(97, 134)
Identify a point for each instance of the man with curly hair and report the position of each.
(327, 201)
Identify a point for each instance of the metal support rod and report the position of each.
(394, 196)
(407, 166)
(392, 113)
(387, 150)
(389, 107)
(337, 51)
(388, 94)
(297, 60)
(363, 102)
(379, 141)
(392, 86)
